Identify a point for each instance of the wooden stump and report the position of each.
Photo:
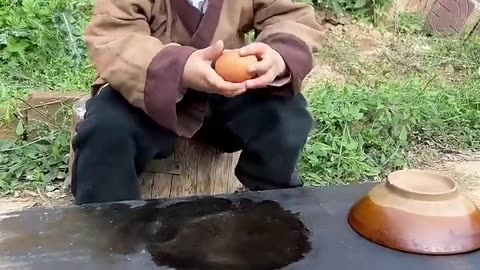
(193, 169)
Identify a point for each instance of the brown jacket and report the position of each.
(140, 47)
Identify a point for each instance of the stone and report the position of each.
(47, 107)
(453, 17)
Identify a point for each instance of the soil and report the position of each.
(322, 73)
(53, 196)
(7, 132)
(463, 167)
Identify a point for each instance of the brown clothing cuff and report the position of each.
(163, 84)
(297, 56)
(281, 81)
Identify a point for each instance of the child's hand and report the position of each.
(199, 74)
(270, 66)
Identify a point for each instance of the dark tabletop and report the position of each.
(303, 228)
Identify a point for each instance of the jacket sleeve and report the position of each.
(145, 71)
(291, 29)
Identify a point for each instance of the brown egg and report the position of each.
(234, 68)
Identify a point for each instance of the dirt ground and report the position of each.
(7, 132)
(464, 167)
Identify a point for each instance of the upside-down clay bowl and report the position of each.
(419, 212)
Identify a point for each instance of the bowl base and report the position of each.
(412, 233)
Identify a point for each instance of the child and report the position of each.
(155, 82)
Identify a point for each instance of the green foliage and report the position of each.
(41, 44)
(38, 162)
(372, 11)
(364, 131)
(410, 23)
(404, 55)
(427, 88)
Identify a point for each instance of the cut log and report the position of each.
(193, 169)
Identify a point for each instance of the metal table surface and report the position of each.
(302, 228)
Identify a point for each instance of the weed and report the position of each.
(403, 55)
(364, 131)
(369, 11)
(38, 162)
(410, 23)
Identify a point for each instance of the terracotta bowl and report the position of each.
(420, 212)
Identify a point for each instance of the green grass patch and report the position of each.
(364, 131)
(401, 56)
(37, 163)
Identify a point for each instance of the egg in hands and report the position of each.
(233, 67)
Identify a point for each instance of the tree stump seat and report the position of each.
(194, 169)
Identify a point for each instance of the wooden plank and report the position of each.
(208, 160)
(168, 165)
(146, 185)
(231, 163)
(162, 185)
(187, 156)
(223, 174)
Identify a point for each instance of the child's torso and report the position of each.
(233, 19)
(200, 4)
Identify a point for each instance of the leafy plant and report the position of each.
(38, 162)
(364, 131)
(410, 23)
(370, 10)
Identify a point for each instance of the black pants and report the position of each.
(116, 141)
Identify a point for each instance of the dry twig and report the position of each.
(43, 198)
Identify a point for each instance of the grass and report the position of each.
(413, 91)
(363, 131)
(416, 90)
